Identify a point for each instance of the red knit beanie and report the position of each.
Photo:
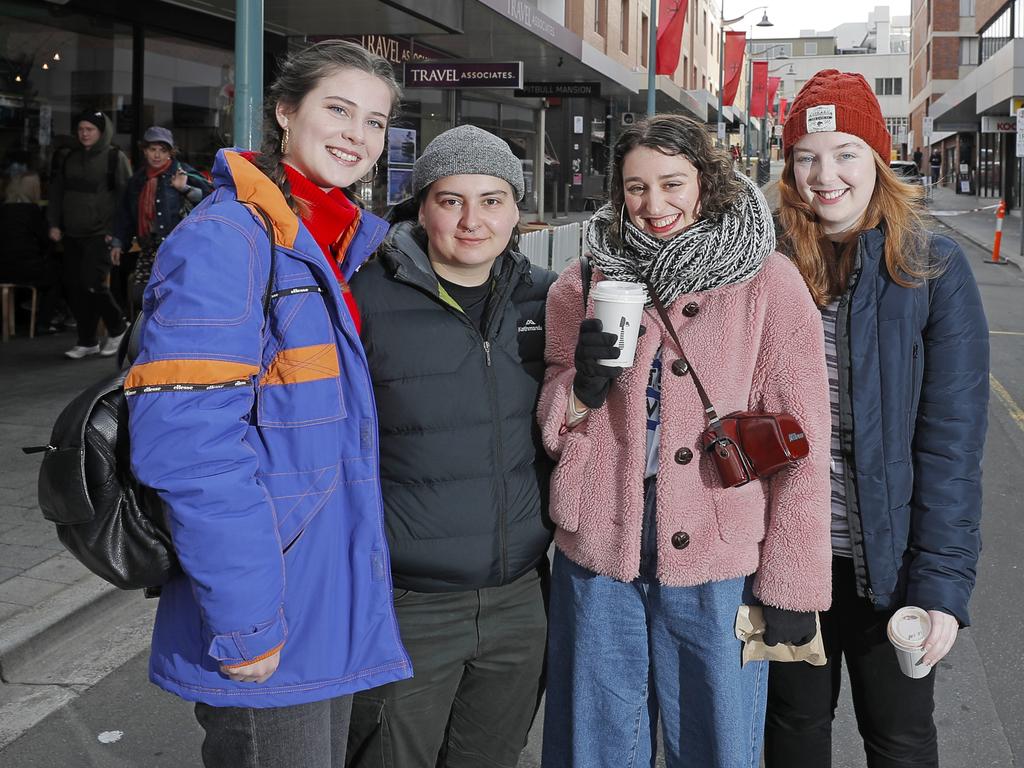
(837, 101)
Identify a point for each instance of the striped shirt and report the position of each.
(840, 524)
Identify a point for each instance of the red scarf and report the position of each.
(147, 199)
(332, 220)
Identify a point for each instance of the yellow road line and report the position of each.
(1016, 413)
(1006, 333)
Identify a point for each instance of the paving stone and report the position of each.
(25, 591)
(9, 609)
(23, 558)
(30, 535)
(61, 568)
(8, 573)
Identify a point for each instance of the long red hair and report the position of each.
(894, 205)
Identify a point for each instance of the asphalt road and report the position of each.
(125, 721)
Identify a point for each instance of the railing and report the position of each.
(553, 248)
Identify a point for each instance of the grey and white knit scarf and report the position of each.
(709, 254)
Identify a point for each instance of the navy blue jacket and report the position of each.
(914, 374)
(168, 203)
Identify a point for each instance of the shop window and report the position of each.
(482, 114)
(189, 88)
(54, 66)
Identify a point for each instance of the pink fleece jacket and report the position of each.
(757, 345)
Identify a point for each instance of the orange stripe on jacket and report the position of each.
(161, 372)
(299, 364)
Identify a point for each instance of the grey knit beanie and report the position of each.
(468, 150)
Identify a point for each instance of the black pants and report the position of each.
(86, 268)
(477, 660)
(894, 712)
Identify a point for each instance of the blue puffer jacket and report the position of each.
(262, 443)
(914, 368)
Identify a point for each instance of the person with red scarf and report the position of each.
(158, 196)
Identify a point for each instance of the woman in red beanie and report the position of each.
(907, 351)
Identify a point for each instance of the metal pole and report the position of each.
(248, 73)
(1022, 208)
(746, 133)
(652, 58)
(538, 163)
(721, 69)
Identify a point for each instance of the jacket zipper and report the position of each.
(854, 521)
(494, 312)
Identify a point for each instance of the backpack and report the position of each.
(115, 526)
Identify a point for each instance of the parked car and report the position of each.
(907, 171)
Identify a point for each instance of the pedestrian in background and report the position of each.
(84, 193)
(908, 427)
(156, 199)
(453, 324)
(26, 256)
(918, 157)
(653, 553)
(251, 414)
(936, 165)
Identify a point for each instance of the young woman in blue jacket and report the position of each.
(907, 351)
(252, 416)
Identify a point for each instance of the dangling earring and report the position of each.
(284, 142)
(622, 220)
(372, 174)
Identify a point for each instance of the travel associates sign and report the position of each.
(463, 74)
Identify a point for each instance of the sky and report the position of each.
(790, 16)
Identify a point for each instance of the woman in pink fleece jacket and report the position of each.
(655, 557)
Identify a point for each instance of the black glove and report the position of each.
(793, 627)
(593, 380)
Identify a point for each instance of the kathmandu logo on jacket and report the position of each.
(530, 326)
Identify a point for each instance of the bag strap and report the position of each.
(269, 290)
(709, 409)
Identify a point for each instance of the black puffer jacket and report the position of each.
(464, 474)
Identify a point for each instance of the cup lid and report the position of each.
(615, 289)
(910, 626)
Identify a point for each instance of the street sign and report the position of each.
(562, 89)
(927, 129)
(463, 74)
(778, 131)
(1020, 132)
(721, 131)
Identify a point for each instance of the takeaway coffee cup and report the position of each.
(619, 306)
(908, 629)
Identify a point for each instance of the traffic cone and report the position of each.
(1000, 215)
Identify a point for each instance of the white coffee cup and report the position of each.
(908, 629)
(620, 306)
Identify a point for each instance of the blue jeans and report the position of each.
(622, 654)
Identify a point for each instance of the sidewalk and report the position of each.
(960, 213)
(44, 592)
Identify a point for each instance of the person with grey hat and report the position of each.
(84, 191)
(453, 327)
(158, 196)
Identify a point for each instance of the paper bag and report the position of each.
(750, 629)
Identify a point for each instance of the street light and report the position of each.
(723, 23)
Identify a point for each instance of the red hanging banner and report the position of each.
(735, 42)
(782, 111)
(758, 89)
(671, 18)
(773, 88)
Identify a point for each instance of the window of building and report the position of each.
(810, 49)
(897, 127)
(703, 82)
(967, 7)
(601, 17)
(928, 57)
(694, 81)
(969, 51)
(686, 70)
(645, 38)
(889, 86)
(624, 27)
(779, 50)
(704, 28)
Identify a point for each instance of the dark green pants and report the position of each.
(477, 661)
